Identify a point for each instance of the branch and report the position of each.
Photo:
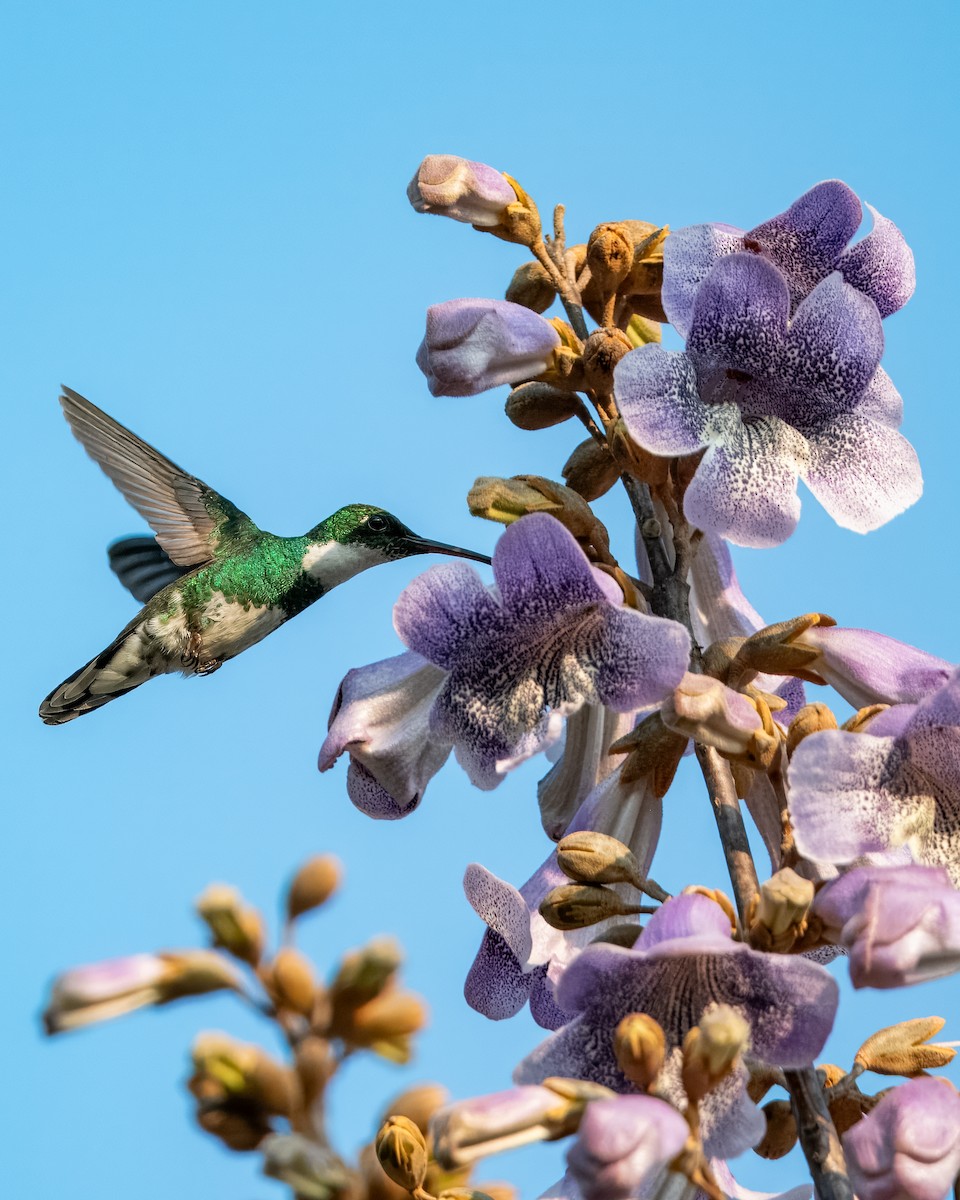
(733, 834)
(818, 1135)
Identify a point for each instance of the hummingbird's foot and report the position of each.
(209, 666)
(191, 654)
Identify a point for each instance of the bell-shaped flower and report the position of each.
(470, 1129)
(806, 243)
(381, 717)
(100, 991)
(854, 794)
(518, 665)
(899, 925)
(623, 1144)
(773, 397)
(908, 1147)
(455, 187)
(684, 961)
(521, 957)
(473, 345)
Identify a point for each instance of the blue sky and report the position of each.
(205, 231)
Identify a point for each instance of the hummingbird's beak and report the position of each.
(419, 545)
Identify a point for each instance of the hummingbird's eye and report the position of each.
(378, 523)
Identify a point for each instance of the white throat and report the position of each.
(330, 563)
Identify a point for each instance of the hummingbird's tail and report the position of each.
(115, 671)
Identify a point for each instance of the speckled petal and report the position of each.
(745, 488)
(369, 797)
(440, 611)
(657, 396)
(881, 265)
(740, 317)
(863, 473)
(539, 568)
(880, 401)
(689, 255)
(806, 240)
(496, 984)
(502, 907)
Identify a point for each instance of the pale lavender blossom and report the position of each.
(773, 398)
(522, 958)
(518, 665)
(381, 718)
(470, 1129)
(854, 794)
(473, 345)
(685, 960)
(900, 925)
(450, 186)
(623, 1144)
(806, 243)
(706, 709)
(908, 1147)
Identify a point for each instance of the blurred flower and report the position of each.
(450, 186)
(908, 1147)
(85, 995)
(899, 925)
(806, 243)
(520, 664)
(624, 1143)
(381, 717)
(772, 398)
(853, 794)
(473, 345)
(470, 1129)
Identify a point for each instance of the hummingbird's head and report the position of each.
(366, 535)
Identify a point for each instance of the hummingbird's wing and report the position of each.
(143, 567)
(189, 518)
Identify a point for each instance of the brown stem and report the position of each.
(733, 834)
(818, 1135)
(568, 294)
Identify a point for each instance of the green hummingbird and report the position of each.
(212, 584)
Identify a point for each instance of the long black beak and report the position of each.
(420, 545)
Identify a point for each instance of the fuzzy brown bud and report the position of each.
(578, 905)
(591, 470)
(590, 857)
(812, 718)
(602, 350)
(235, 926)
(390, 1015)
(781, 1133)
(539, 406)
(240, 1124)
(639, 1044)
(313, 885)
(780, 915)
(402, 1152)
(531, 286)
(610, 252)
(364, 973)
(711, 1049)
(777, 650)
(651, 468)
(519, 222)
(292, 981)
(419, 1103)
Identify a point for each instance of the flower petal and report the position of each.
(539, 568)
(880, 401)
(496, 985)
(502, 908)
(439, 612)
(881, 265)
(740, 316)
(689, 255)
(370, 797)
(657, 396)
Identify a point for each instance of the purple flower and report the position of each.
(519, 665)
(908, 1147)
(773, 398)
(470, 1129)
(455, 187)
(381, 717)
(806, 243)
(521, 957)
(624, 1143)
(899, 925)
(853, 794)
(685, 960)
(473, 345)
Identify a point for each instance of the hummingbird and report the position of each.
(212, 583)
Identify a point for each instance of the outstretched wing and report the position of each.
(143, 567)
(189, 518)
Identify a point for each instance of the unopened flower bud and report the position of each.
(240, 1125)
(313, 885)
(364, 973)
(537, 405)
(591, 470)
(388, 1016)
(602, 351)
(812, 718)
(609, 257)
(455, 187)
(419, 1103)
(578, 905)
(242, 1069)
(642, 331)
(519, 221)
(470, 1129)
(778, 650)
(781, 912)
(624, 934)
(402, 1152)
(860, 721)
(315, 1064)
(781, 1132)
(236, 927)
(311, 1171)
(704, 709)
(292, 981)
(506, 500)
(590, 857)
(531, 286)
(639, 1044)
(711, 1049)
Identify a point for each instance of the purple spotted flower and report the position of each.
(455, 187)
(473, 345)
(771, 398)
(806, 243)
(854, 794)
(908, 1147)
(518, 665)
(685, 960)
(900, 925)
(623, 1144)
(381, 717)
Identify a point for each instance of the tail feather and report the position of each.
(112, 673)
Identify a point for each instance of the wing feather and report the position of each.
(188, 517)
